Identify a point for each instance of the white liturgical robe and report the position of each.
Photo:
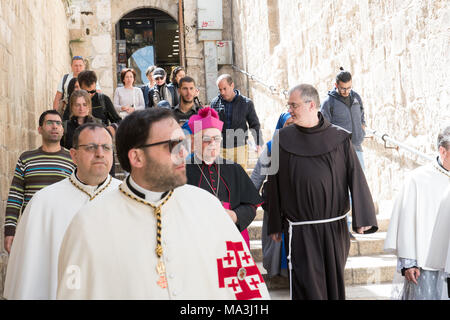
(439, 255)
(414, 213)
(33, 262)
(109, 250)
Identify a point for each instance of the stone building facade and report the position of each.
(34, 54)
(397, 52)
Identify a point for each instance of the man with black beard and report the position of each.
(187, 106)
(172, 232)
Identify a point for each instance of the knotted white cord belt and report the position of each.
(290, 240)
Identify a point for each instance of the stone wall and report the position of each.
(34, 55)
(397, 52)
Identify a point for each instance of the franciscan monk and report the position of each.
(308, 198)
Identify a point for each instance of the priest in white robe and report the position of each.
(178, 243)
(412, 222)
(32, 266)
(439, 254)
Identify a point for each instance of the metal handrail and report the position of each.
(385, 137)
(272, 89)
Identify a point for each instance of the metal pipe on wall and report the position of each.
(181, 33)
(399, 144)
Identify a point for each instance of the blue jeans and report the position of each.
(359, 154)
(361, 159)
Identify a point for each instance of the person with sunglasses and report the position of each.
(225, 179)
(33, 263)
(160, 91)
(177, 239)
(36, 169)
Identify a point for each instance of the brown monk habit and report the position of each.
(317, 168)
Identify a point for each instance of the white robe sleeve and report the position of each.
(439, 254)
(400, 237)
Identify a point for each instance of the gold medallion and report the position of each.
(241, 274)
(160, 268)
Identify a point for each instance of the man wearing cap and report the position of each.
(226, 180)
(179, 243)
(160, 91)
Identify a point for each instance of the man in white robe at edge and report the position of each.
(180, 243)
(33, 263)
(439, 255)
(412, 222)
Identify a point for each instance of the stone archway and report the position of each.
(122, 11)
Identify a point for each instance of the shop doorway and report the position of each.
(146, 37)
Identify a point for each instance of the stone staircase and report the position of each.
(369, 270)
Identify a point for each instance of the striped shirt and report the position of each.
(35, 170)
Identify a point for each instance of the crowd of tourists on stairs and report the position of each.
(187, 166)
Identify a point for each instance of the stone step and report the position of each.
(379, 291)
(382, 291)
(367, 244)
(259, 214)
(359, 271)
(370, 269)
(251, 163)
(255, 229)
(363, 245)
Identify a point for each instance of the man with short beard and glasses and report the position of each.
(187, 106)
(155, 237)
(36, 169)
(33, 263)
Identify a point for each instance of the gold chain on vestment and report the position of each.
(160, 268)
(91, 197)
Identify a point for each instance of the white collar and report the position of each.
(150, 196)
(437, 164)
(91, 191)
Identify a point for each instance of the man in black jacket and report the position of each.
(239, 115)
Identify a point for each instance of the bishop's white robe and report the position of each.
(414, 213)
(439, 254)
(33, 262)
(109, 250)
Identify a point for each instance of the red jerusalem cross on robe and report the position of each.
(231, 267)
